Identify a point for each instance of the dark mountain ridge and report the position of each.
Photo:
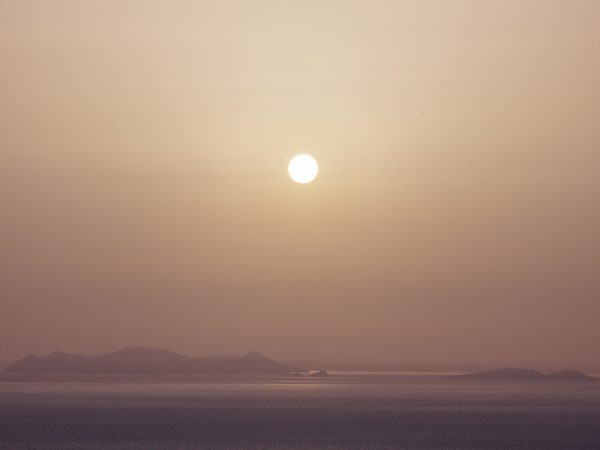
(147, 360)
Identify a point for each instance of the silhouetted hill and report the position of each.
(146, 360)
(569, 375)
(527, 374)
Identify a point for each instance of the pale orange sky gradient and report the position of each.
(146, 201)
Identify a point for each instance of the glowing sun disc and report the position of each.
(303, 169)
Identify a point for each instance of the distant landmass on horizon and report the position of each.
(528, 374)
(148, 360)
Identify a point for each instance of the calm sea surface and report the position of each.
(347, 410)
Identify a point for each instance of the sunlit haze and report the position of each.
(454, 222)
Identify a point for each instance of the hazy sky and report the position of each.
(456, 217)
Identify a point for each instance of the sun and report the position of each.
(303, 169)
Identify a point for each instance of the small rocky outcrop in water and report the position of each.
(315, 373)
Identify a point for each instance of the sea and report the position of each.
(347, 410)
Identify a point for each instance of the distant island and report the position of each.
(527, 374)
(145, 360)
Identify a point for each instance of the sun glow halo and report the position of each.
(303, 169)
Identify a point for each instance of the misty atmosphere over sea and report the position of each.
(144, 398)
(299, 224)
